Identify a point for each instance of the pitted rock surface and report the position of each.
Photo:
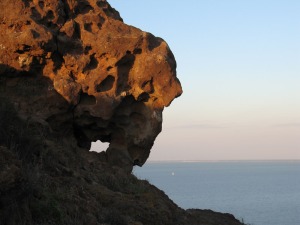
(76, 67)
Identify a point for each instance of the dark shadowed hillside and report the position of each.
(46, 180)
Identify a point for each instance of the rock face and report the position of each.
(71, 72)
(82, 69)
(47, 179)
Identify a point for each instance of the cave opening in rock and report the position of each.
(99, 146)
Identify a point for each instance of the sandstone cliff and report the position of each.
(71, 72)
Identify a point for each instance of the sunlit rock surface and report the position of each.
(114, 79)
(71, 72)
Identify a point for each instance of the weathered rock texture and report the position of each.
(115, 79)
(46, 179)
(70, 73)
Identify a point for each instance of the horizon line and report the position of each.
(223, 160)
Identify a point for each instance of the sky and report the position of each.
(239, 65)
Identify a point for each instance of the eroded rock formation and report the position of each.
(76, 67)
(71, 72)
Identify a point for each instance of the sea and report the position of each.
(255, 192)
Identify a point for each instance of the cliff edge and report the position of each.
(89, 71)
(71, 72)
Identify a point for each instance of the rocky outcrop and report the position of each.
(47, 179)
(114, 79)
(71, 72)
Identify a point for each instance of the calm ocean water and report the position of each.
(259, 192)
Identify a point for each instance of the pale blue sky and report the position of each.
(239, 65)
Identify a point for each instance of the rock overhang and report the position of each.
(114, 78)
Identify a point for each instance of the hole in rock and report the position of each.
(83, 8)
(101, 22)
(87, 49)
(77, 33)
(99, 25)
(35, 13)
(153, 42)
(88, 27)
(101, 4)
(99, 146)
(35, 34)
(93, 64)
(50, 15)
(137, 51)
(124, 66)
(24, 48)
(144, 97)
(86, 99)
(106, 84)
(57, 59)
(41, 4)
(147, 86)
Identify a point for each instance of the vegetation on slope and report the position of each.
(46, 180)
